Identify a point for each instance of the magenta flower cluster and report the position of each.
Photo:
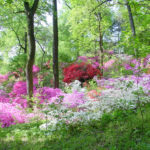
(134, 65)
(3, 78)
(10, 115)
(74, 99)
(35, 69)
(45, 94)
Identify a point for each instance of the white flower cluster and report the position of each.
(124, 93)
(76, 86)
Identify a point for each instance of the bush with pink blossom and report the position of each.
(19, 89)
(3, 78)
(108, 64)
(36, 69)
(10, 115)
(4, 97)
(74, 99)
(22, 101)
(45, 94)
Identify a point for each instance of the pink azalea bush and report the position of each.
(74, 99)
(4, 97)
(134, 65)
(45, 94)
(19, 89)
(3, 78)
(36, 69)
(19, 100)
(10, 115)
(146, 62)
(69, 100)
(108, 64)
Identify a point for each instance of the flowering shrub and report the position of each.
(134, 65)
(45, 94)
(3, 78)
(10, 115)
(19, 89)
(4, 98)
(146, 62)
(108, 64)
(94, 61)
(81, 72)
(74, 99)
(19, 100)
(74, 86)
(93, 94)
(47, 64)
(116, 93)
(36, 69)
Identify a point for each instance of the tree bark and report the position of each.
(55, 45)
(31, 57)
(32, 47)
(25, 42)
(100, 42)
(132, 25)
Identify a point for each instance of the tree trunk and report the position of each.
(30, 21)
(132, 25)
(101, 42)
(25, 42)
(29, 74)
(55, 45)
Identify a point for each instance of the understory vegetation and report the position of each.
(74, 75)
(118, 130)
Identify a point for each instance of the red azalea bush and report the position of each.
(80, 71)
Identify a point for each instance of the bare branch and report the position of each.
(19, 12)
(67, 5)
(121, 3)
(18, 38)
(100, 5)
(40, 46)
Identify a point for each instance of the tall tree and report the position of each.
(99, 17)
(55, 45)
(30, 12)
(132, 25)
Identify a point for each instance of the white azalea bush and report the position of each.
(124, 93)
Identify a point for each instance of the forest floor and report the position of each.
(118, 130)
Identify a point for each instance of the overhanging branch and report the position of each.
(100, 5)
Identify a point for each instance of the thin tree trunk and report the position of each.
(101, 42)
(132, 25)
(32, 47)
(55, 45)
(26, 42)
(31, 57)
